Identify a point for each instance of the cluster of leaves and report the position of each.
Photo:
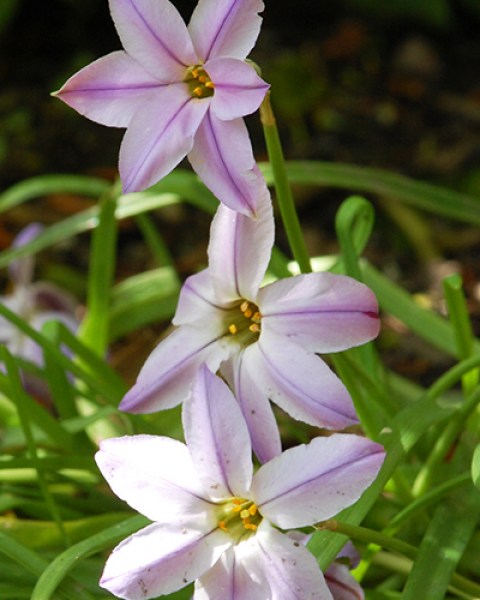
(59, 518)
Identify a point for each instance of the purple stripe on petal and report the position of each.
(159, 136)
(313, 482)
(217, 437)
(161, 559)
(222, 157)
(225, 27)
(167, 375)
(154, 34)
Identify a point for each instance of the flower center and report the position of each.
(243, 322)
(239, 518)
(199, 83)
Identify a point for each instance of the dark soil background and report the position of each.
(391, 84)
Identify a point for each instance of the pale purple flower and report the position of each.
(264, 340)
(36, 303)
(340, 582)
(181, 91)
(214, 520)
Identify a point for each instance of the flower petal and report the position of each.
(21, 269)
(160, 134)
(198, 302)
(255, 405)
(239, 251)
(47, 296)
(313, 482)
(223, 159)
(320, 311)
(217, 437)
(225, 27)
(156, 476)
(229, 579)
(342, 584)
(239, 91)
(290, 569)
(168, 373)
(300, 383)
(109, 90)
(154, 34)
(161, 559)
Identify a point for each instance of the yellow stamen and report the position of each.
(248, 313)
(254, 328)
(195, 73)
(222, 525)
(257, 317)
(244, 306)
(250, 526)
(209, 84)
(244, 514)
(253, 510)
(198, 91)
(232, 329)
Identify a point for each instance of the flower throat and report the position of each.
(199, 83)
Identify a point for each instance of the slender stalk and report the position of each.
(363, 534)
(282, 187)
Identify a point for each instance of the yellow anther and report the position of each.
(232, 329)
(222, 525)
(248, 313)
(195, 73)
(244, 514)
(250, 526)
(202, 79)
(257, 317)
(198, 91)
(254, 328)
(210, 84)
(244, 306)
(253, 510)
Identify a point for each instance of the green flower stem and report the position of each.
(282, 187)
(462, 328)
(370, 536)
(444, 442)
(410, 511)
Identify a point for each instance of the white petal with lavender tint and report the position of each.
(155, 35)
(229, 579)
(21, 269)
(198, 302)
(322, 312)
(156, 476)
(290, 569)
(239, 91)
(109, 90)
(161, 559)
(300, 383)
(217, 437)
(254, 403)
(159, 136)
(342, 584)
(239, 250)
(222, 157)
(225, 27)
(168, 373)
(311, 483)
